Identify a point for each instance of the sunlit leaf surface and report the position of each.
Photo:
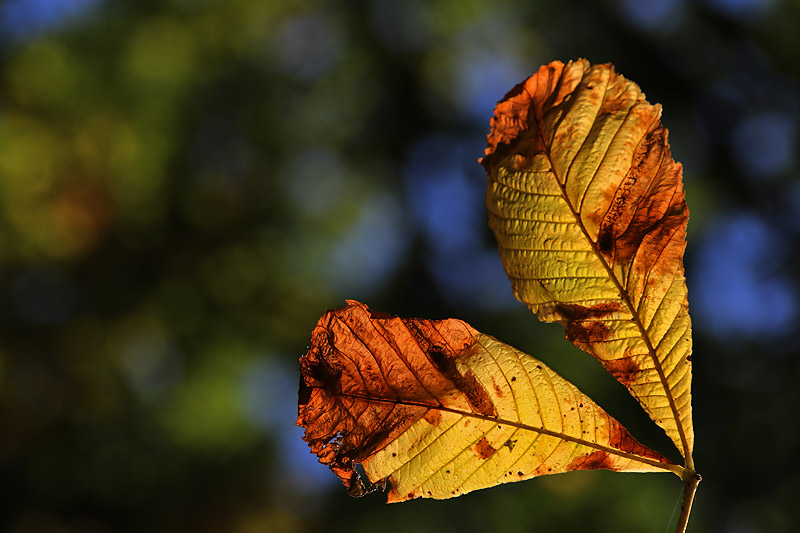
(588, 208)
(438, 409)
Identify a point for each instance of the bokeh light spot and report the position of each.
(742, 9)
(659, 15)
(269, 394)
(739, 290)
(314, 180)
(448, 203)
(764, 143)
(402, 26)
(27, 18)
(149, 361)
(310, 44)
(371, 249)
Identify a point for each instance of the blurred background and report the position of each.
(187, 185)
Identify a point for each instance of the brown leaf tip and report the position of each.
(334, 406)
(622, 440)
(367, 377)
(521, 107)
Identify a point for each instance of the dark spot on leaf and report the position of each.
(513, 378)
(584, 334)
(320, 367)
(605, 240)
(497, 390)
(304, 393)
(484, 449)
(510, 444)
(582, 312)
(625, 369)
(467, 383)
(434, 417)
(438, 356)
(596, 460)
(519, 473)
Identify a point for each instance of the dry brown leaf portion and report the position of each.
(588, 208)
(438, 409)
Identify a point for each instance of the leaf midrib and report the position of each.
(622, 292)
(669, 467)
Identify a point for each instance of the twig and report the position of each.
(690, 481)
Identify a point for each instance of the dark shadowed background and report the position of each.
(187, 185)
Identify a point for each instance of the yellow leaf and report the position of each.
(438, 409)
(588, 208)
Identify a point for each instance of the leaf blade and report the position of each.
(588, 209)
(439, 409)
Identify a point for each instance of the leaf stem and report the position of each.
(690, 481)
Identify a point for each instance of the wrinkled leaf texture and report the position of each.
(588, 209)
(437, 409)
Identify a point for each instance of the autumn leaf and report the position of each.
(588, 208)
(438, 409)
